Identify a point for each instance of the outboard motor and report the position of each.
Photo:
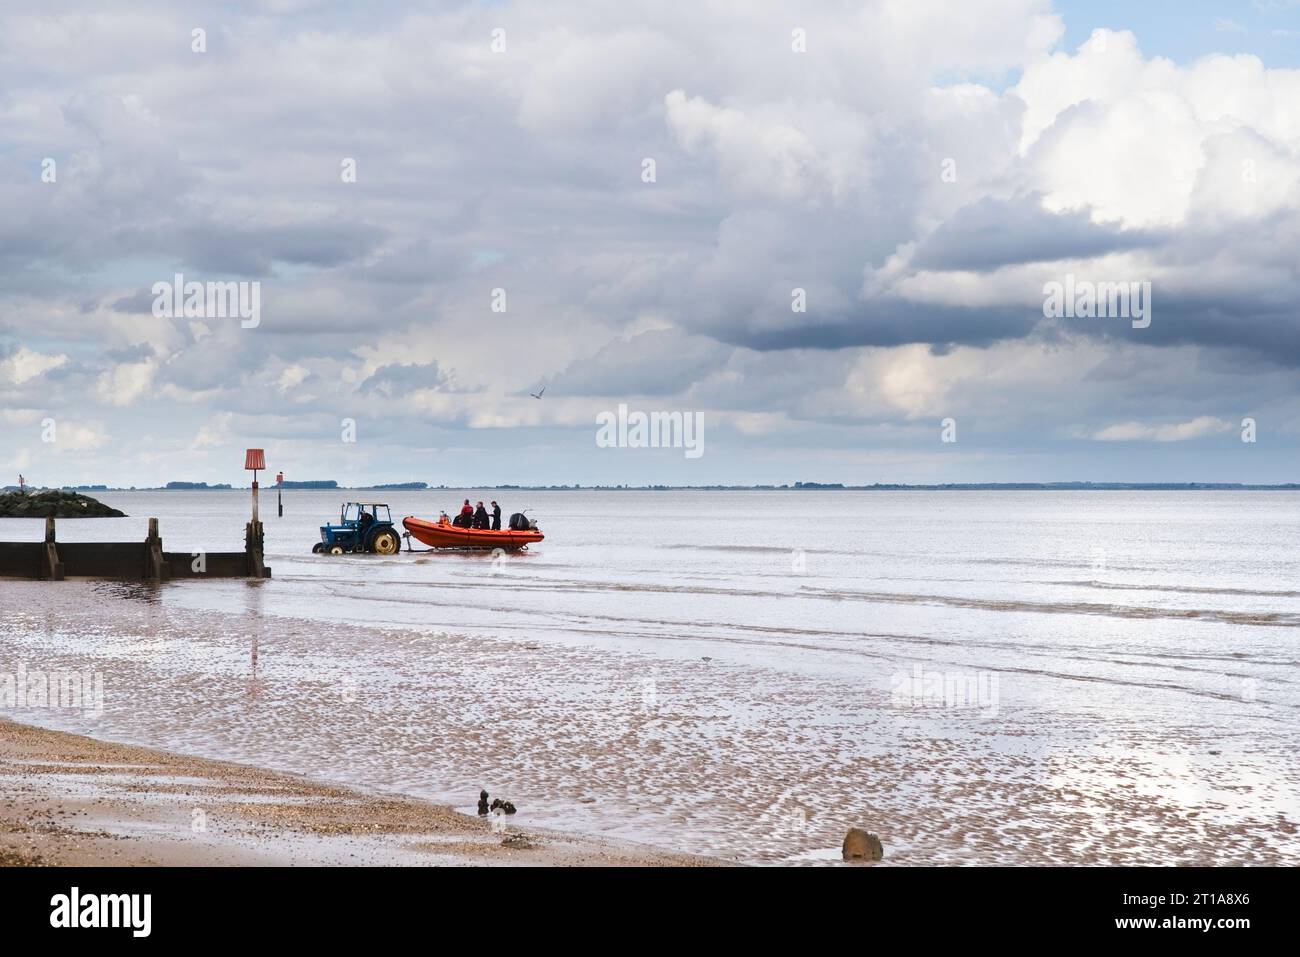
(519, 522)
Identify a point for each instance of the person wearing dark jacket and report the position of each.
(496, 517)
(481, 519)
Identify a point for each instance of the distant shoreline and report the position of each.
(797, 487)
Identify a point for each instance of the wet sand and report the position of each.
(69, 800)
(723, 748)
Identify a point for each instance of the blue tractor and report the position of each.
(362, 527)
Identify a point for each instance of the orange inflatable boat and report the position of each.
(438, 535)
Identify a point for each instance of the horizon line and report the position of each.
(322, 486)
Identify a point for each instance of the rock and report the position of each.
(54, 503)
(517, 841)
(860, 845)
(508, 807)
(482, 803)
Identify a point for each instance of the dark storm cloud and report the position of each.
(137, 302)
(651, 363)
(73, 374)
(226, 250)
(992, 232)
(888, 322)
(418, 261)
(1248, 322)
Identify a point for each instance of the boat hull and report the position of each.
(436, 535)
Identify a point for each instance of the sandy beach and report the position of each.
(70, 800)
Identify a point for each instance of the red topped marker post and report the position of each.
(254, 461)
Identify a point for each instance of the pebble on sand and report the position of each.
(860, 845)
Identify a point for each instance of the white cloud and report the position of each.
(76, 437)
(26, 364)
(1178, 432)
(762, 156)
(292, 377)
(125, 382)
(214, 433)
(1126, 137)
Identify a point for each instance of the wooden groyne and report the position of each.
(51, 560)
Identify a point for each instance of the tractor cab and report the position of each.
(362, 527)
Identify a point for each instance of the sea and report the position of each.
(977, 676)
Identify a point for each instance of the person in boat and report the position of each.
(496, 517)
(443, 519)
(481, 519)
(466, 515)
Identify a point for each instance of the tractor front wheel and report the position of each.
(336, 549)
(318, 548)
(385, 542)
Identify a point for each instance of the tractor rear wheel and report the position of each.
(385, 542)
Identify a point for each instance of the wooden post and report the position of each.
(254, 540)
(51, 568)
(155, 567)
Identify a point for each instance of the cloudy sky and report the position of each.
(919, 169)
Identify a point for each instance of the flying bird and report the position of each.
(537, 395)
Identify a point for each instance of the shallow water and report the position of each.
(1019, 677)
